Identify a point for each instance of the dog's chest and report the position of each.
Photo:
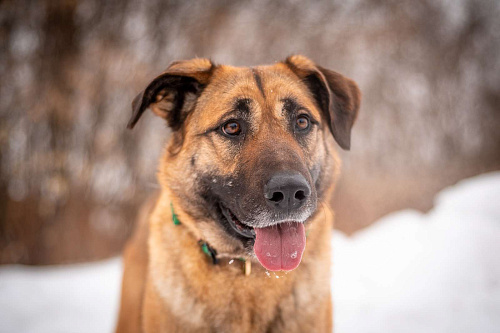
(237, 303)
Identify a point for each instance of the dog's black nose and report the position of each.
(287, 191)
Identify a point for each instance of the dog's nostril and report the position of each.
(286, 191)
(277, 197)
(300, 195)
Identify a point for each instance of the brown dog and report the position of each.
(250, 159)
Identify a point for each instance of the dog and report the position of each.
(238, 239)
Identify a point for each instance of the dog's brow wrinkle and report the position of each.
(242, 104)
(289, 104)
(258, 81)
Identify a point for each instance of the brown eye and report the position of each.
(231, 128)
(302, 123)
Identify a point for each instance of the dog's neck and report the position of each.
(205, 247)
(210, 251)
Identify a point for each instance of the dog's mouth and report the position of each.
(277, 247)
(239, 227)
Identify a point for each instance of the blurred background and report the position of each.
(72, 176)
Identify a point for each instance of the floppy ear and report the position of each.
(174, 93)
(337, 96)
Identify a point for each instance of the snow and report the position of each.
(408, 272)
(76, 298)
(434, 272)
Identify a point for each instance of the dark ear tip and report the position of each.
(345, 146)
(130, 125)
(343, 140)
(137, 109)
(135, 117)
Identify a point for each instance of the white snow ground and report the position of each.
(409, 272)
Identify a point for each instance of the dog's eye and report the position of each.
(231, 128)
(302, 123)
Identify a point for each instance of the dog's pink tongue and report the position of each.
(280, 247)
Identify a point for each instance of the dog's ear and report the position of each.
(337, 96)
(174, 93)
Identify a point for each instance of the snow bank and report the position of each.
(435, 272)
(409, 272)
(72, 299)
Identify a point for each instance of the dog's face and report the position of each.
(251, 153)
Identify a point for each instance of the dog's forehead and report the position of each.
(265, 86)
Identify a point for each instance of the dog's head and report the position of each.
(251, 152)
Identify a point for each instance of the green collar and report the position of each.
(175, 219)
(205, 247)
